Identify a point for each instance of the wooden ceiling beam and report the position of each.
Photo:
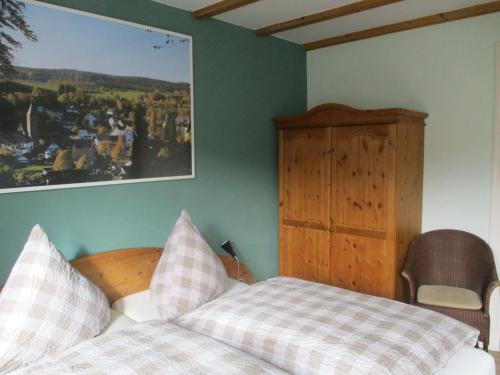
(454, 15)
(220, 7)
(326, 15)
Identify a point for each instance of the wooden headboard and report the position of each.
(119, 273)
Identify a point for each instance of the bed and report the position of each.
(122, 274)
(466, 360)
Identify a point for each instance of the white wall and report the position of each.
(445, 70)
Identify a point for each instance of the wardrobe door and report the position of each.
(362, 209)
(304, 204)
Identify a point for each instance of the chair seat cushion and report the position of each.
(449, 296)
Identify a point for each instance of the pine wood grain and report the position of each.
(330, 14)
(119, 273)
(220, 7)
(435, 19)
(350, 205)
(304, 200)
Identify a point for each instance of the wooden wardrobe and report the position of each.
(350, 195)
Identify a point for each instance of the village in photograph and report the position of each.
(67, 118)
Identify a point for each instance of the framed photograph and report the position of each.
(88, 100)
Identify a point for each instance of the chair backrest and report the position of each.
(452, 258)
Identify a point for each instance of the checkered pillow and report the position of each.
(46, 305)
(189, 273)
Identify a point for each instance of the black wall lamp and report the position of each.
(228, 248)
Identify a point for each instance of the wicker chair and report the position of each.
(457, 259)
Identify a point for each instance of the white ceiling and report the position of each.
(267, 12)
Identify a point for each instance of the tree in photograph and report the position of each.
(64, 99)
(11, 17)
(80, 95)
(119, 105)
(82, 163)
(118, 151)
(164, 153)
(152, 130)
(63, 161)
(7, 178)
(5, 152)
(85, 122)
(140, 146)
(65, 88)
(104, 148)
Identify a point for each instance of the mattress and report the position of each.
(469, 361)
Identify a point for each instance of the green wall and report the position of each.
(445, 70)
(240, 83)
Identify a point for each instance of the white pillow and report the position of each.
(46, 305)
(138, 306)
(188, 274)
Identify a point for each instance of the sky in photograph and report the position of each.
(72, 41)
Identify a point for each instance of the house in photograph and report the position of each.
(72, 110)
(51, 151)
(84, 134)
(83, 148)
(128, 133)
(55, 117)
(17, 143)
(116, 122)
(91, 119)
(99, 139)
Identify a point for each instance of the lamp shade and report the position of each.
(228, 248)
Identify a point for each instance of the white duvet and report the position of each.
(153, 347)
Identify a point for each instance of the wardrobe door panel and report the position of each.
(304, 254)
(364, 160)
(304, 207)
(305, 178)
(363, 264)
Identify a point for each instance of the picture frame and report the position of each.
(110, 102)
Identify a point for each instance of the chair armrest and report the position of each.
(406, 273)
(487, 295)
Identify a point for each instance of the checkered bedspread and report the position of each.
(153, 347)
(309, 328)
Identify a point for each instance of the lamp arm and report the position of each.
(238, 268)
